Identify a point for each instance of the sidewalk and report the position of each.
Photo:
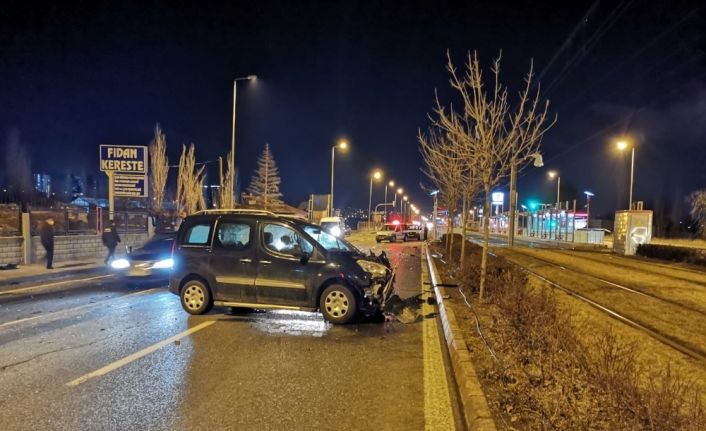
(39, 272)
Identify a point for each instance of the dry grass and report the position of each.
(555, 372)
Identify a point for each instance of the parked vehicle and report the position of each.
(391, 232)
(153, 259)
(413, 231)
(256, 259)
(334, 226)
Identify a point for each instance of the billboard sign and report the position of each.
(123, 158)
(497, 198)
(130, 185)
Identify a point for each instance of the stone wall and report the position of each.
(10, 249)
(83, 247)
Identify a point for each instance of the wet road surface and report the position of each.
(97, 353)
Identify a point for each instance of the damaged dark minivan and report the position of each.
(258, 259)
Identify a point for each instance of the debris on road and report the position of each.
(406, 310)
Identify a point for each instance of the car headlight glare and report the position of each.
(335, 231)
(376, 269)
(163, 264)
(120, 264)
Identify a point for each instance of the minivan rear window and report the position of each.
(198, 234)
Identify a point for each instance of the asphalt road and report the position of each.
(96, 353)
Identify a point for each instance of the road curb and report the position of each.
(58, 276)
(475, 407)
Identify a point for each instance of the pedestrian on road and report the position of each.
(110, 240)
(46, 235)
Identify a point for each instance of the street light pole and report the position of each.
(376, 175)
(342, 144)
(330, 201)
(632, 175)
(232, 137)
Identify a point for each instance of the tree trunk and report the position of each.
(463, 232)
(450, 235)
(486, 237)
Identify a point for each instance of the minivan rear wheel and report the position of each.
(196, 297)
(338, 304)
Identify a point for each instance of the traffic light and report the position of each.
(533, 205)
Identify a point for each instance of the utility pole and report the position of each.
(513, 205)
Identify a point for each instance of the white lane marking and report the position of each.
(80, 307)
(438, 413)
(137, 355)
(79, 280)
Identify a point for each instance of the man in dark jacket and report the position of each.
(110, 240)
(46, 235)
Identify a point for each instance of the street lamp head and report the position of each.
(589, 194)
(377, 175)
(342, 144)
(391, 184)
(400, 191)
(405, 198)
(252, 77)
(622, 145)
(552, 174)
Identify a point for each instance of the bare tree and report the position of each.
(159, 167)
(190, 183)
(444, 165)
(227, 198)
(497, 138)
(470, 187)
(697, 200)
(265, 181)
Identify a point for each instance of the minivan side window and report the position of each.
(284, 240)
(198, 234)
(233, 235)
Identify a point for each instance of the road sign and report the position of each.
(123, 158)
(130, 185)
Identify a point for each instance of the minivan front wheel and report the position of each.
(338, 304)
(195, 297)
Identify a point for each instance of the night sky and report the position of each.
(75, 75)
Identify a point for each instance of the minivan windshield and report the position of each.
(328, 241)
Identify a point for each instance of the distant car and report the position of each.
(334, 226)
(391, 232)
(153, 259)
(414, 231)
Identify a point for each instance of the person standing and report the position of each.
(110, 240)
(46, 235)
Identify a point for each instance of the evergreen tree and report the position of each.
(265, 181)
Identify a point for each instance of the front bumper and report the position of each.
(380, 292)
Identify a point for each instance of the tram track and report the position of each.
(632, 266)
(631, 289)
(641, 325)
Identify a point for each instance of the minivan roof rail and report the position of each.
(236, 211)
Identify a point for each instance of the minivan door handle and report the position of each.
(265, 262)
(245, 260)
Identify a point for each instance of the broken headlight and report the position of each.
(376, 269)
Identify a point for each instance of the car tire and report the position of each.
(377, 240)
(196, 297)
(338, 304)
(404, 238)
